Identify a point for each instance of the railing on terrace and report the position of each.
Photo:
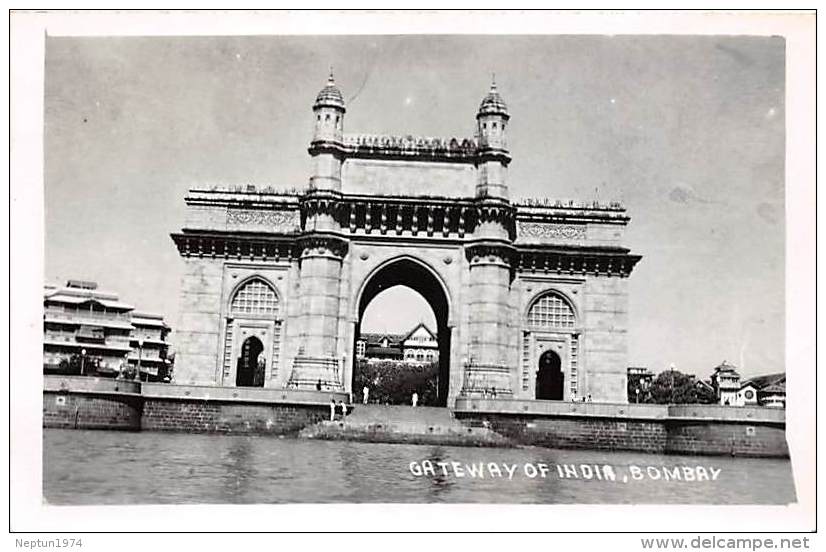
(110, 343)
(71, 336)
(86, 315)
(89, 313)
(568, 204)
(260, 189)
(411, 143)
(155, 338)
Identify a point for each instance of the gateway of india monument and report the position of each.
(530, 297)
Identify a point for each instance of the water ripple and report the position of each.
(109, 467)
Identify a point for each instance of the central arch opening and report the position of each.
(402, 338)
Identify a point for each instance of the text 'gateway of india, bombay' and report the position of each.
(530, 298)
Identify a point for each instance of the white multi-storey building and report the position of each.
(87, 331)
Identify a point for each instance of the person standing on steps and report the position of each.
(332, 410)
(415, 399)
(365, 394)
(343, 409)
(318, 385)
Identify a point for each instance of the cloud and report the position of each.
(768, 212)
(685, 194)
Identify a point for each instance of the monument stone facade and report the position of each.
(530, 297)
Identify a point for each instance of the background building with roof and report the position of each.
(770, 389)
(767, 390)
(418, 345)
(149, 345)
(379, 346)
(87, 331)
(726, 383)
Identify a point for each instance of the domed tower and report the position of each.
(322, 250)
(489, 254)
(491, 121)
(327, 143)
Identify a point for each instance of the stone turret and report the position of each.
(327, 144)
(491, 124)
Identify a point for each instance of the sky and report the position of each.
(688, 132)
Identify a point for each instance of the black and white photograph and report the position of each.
(395, 267)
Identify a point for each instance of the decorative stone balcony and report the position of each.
(411, 147)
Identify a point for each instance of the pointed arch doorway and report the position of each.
(550, 380)
(252, 335)
(421, 279)
(250, 369)
(551, 344)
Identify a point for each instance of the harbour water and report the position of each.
(110, 467)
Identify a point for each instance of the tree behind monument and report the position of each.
(394, 382)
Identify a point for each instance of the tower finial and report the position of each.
(330, 78)
(493, 81)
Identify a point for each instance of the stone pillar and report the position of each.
(490, 344)
(487, 368)
(320, 280)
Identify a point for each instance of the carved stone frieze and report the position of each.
(278, 221)
(545, 230)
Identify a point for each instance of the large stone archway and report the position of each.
(417, 276)
(433, 214)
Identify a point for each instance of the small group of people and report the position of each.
(489, 393)
(365, 396)
(583, 399)
(335, 407)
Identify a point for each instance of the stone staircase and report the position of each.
(404, 424)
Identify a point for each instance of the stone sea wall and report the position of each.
(93, 403)
(100, 403)
(663, 429)
(221, 417)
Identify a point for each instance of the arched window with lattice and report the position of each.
(551, 311)
(253, 310)
(551, 314)
(255, 297)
